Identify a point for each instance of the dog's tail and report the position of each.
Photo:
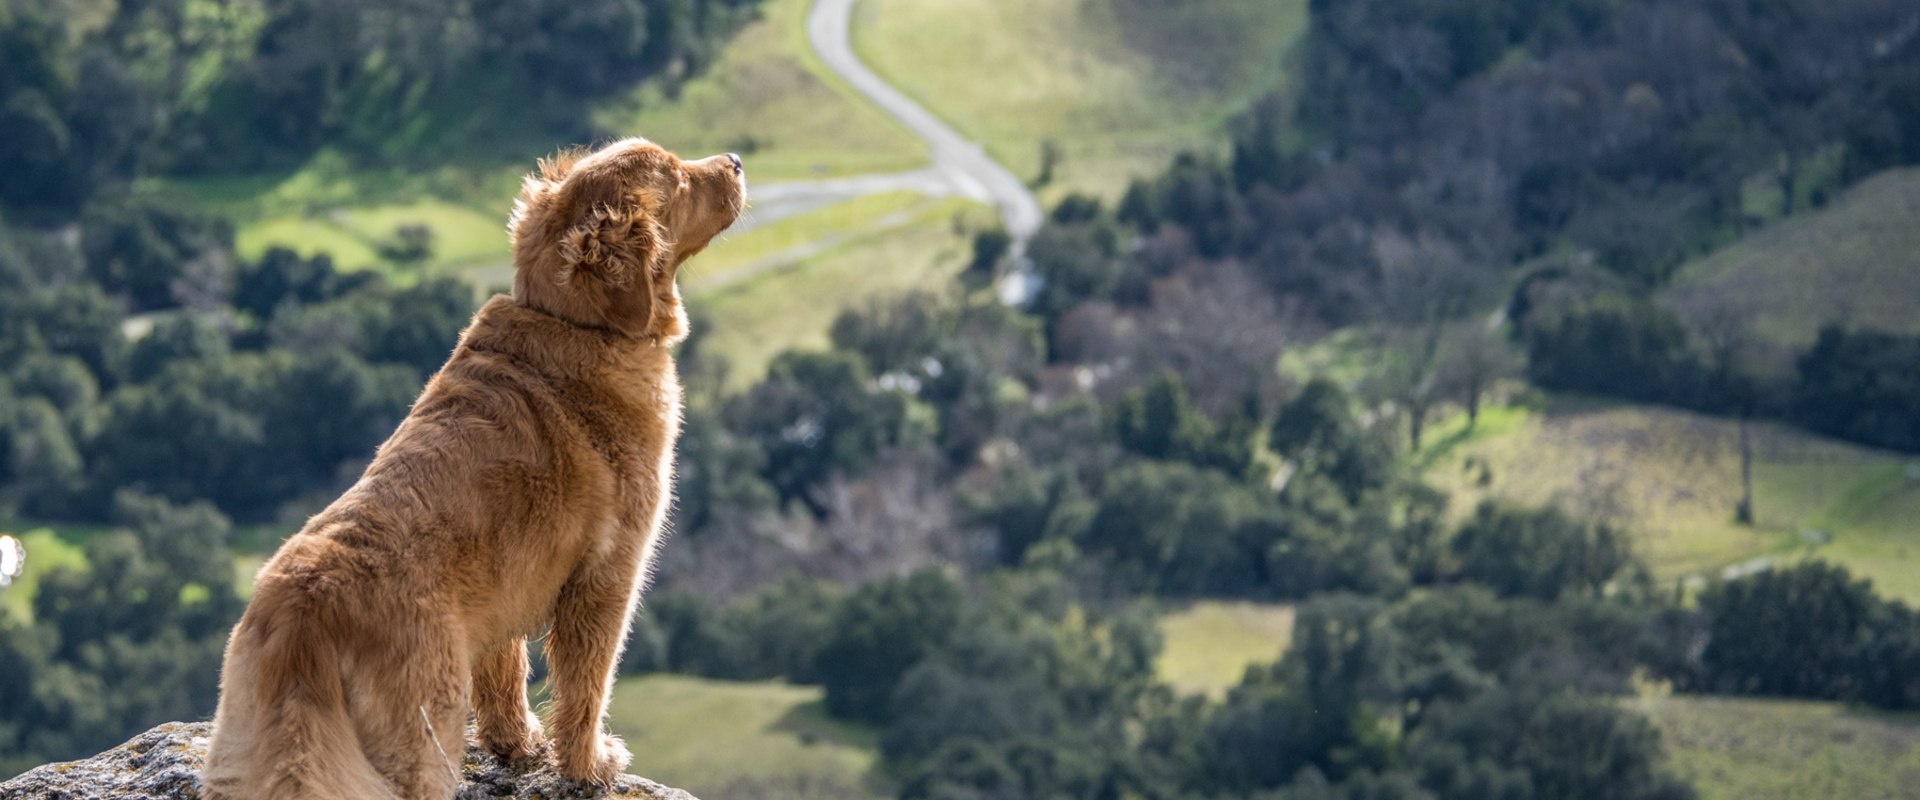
(293, 739)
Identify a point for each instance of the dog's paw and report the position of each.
(598, 765)
(514, 742)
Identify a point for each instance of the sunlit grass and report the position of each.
(1757, 749)
(1853, 262)
(1209, 645)
(1674, 478)
(1119, 86)
(723, 260)
(770, 98)
(704, 735)
(790, 306)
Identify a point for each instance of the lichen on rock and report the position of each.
(165, 763)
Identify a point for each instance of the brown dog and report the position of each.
(526, 489)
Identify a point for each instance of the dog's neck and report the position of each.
(505, 326)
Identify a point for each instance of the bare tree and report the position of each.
(1426, 285)
(1222, 334)
(1475, 357)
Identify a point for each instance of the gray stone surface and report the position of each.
(164, 764)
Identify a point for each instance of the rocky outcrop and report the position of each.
(164, 764)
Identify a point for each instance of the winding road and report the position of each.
(963, 163)
(960, 167)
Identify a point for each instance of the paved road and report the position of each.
(776, 201)
(960, 167)
(963, 165)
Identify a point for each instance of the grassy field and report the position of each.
(789, 304)
(1209, 645)
(716, 738)
(767, 97)
(1673, 477)
(735, 256)
(1854, 261)
(329, 206)
(770, 99)
(462, 235)
(1751, 749)
(1119, 85)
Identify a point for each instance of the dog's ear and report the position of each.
(621, 245)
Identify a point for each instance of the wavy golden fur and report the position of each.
(526, 490)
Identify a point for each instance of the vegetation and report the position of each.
(1862, 243)
(1210, 645)
(1745, 749)
(735, 739)
(952, 522)
(1673, 479)
(761, 300)
(769, 98)
(1085, 95)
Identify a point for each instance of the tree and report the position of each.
(1318, 432)
(1615, 344)
(1863, 386)
(181, 338)
(816, 414)
(1472, 361)
(989, 247)
(1426, 285)
(141, 248)
(879, 633)
(1313, 708)
(1169, 528)
(418, 326)
(1792, 632)
(1542, 553)
(1530, 744)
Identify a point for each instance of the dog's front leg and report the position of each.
(589, 626)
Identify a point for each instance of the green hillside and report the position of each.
(1749, 749)
(1674, 478)
(1853, 262)
(1118, 85)
(729, 739)
(769, 98)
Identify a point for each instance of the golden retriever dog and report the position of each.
(525, 491)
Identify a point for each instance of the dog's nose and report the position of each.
(734, 159)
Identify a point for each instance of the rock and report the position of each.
(164, 764)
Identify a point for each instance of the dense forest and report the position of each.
(961, 518)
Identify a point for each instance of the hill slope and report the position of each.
(1118, 86)
(1856, 261)
(1674, 478)
(730, 739)
(1750, 749)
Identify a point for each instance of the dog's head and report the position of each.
(598, 238)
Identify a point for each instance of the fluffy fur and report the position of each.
(526, 490)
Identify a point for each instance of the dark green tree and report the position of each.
(1541, 553)
(879, 633)
(1794, 632)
